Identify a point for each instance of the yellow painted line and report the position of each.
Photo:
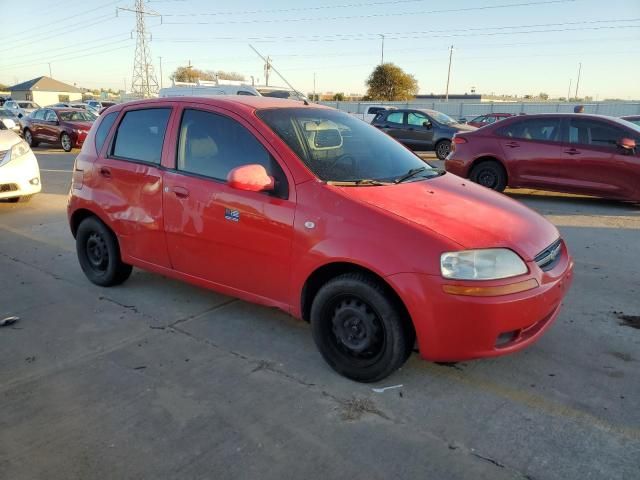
(66, 246)
(596, 221)
(532, 401)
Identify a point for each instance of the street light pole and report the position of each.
(578, 82)
(160, 71)
(569, 92)
(382, 56)
(50, 76)
(446, 99)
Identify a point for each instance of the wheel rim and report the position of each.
(443, 149)
(356, 329)
(66, 142)
(27, 137)
(487, 178)
(97, 252)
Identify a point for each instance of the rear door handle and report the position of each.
(572, 151)
(105, 172)
(180, 192)
(513, 145)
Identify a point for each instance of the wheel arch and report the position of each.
(79, 215)
(326, 272)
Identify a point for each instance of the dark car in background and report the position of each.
(67, 127)
(573, 153)
(488, 119)
(420, 129)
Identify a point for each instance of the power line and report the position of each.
(76, 57)
(372, 15)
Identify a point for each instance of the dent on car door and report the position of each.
(600, 166)
(129, 184)
(233, 238)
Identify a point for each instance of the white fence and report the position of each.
(469, 110)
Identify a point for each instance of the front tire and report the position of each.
(65, 141)
(443, 147)
(359, 328)
(99, 254)
(490, 174)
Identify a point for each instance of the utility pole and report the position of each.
(143, 80)
(160, 71)
(446, 96)
(50, 76)
(267, 69)
(578, 82)
(569, 92)
(314, 86)
(382, 56)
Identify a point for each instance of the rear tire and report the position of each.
(359, 328)
(490, 174)
(28, 137)
(443, 147)
(65, 141)
(99, 254)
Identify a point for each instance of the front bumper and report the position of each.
(457, 327)
(20, 177)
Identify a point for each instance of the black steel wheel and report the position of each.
(99, 254)
(443, 147)
(359, 328)
(489, 174)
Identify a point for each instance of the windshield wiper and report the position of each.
(411, 173)
(362, 181)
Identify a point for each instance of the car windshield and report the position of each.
(28, 105)
(79, 116)
(440, 117)
(338, 147)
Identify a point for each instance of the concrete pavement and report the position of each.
(158, 379)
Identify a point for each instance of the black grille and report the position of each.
(8, 187)
(550, 256)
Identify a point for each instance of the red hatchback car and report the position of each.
(67, 127)
(573, 153)
(317, 213)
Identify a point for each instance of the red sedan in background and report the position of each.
(316, 212)
(488, 119)
(67, 127)
(573, 153)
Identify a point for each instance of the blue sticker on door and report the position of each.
(232, 215)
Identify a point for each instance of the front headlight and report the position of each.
(16, 151)
(487, 264)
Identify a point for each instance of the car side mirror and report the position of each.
(252, 178)
(628, 144)
(462, 120)
(427, 125)
(19, 115)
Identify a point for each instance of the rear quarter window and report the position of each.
(103, 129)
(140, 135)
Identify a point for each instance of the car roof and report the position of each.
(246, 102)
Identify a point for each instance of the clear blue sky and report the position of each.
(509, 49)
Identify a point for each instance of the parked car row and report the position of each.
(67, 127)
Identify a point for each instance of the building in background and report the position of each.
(45, 91)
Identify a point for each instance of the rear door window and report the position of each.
(103, 129)
(583, 131)
(140, 135)
(396, 117)
(538, 129)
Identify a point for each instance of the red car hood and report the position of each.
(470, 215)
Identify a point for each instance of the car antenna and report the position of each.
(304, 100)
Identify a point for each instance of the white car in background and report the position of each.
(20, 108)
(19, 170)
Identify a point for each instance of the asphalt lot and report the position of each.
(158, 379)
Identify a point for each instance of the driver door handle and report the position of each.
(180, 192)
(513, 145)
(572, 151)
